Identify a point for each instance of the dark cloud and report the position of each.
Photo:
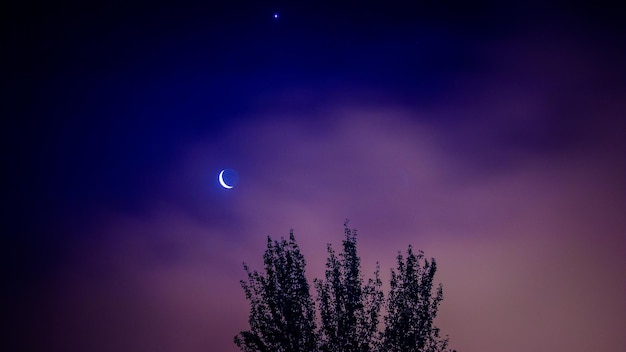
(505, 165)
(525, 233)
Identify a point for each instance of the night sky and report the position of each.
(490, 135)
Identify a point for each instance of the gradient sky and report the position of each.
(492, 137)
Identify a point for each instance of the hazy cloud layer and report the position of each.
(515, 184)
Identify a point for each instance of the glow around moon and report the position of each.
(228, 178)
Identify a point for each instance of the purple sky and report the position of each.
(513, 177)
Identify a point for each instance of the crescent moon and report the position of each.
(224, 184)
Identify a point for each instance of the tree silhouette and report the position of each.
(412, 307)
(282, 311)
(282, 314)
(349, 310)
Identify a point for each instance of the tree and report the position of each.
(282, 314)
(349, 310)
(412, 307)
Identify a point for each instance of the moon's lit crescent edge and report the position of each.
(222, 180)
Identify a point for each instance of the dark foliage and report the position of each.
(282, 314)
(412, 307)
(349, 310)
(282, 311)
